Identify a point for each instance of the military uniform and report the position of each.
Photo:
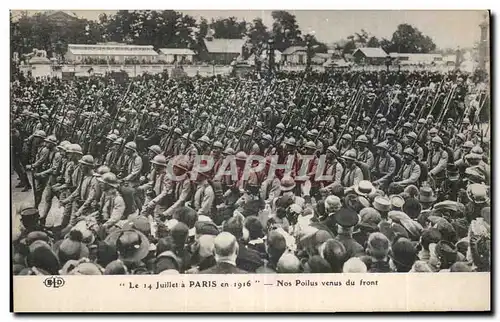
(409, 174)
(384, 168)
(366, 156)
(204, 199)
(351, 176)
(112, 208)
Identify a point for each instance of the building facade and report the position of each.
(176, 55)
(295, 55)
(110, 53)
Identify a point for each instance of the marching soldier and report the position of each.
(364, 154)
(409, 174)
(112, 204)
(345, 143)
(333, 168)
(385, 165)
(43, 161)
(51, 174)
(457, 143)
(82, 176)
(352, 174)
(94, 195)
(437, 160)
(171, 146)
(394, 147)
(411, 142)
(159, 189)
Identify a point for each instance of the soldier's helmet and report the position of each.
(51, 139)
(75, 148)
(218, 144)
(437, 139)
(102, 170)
(87, 160)
(160, 160)
(64, 145)
(109, 178)
(40, 134)
(241, 156)
(131, 146)
(362, 139)
(310, 145)
(155, 149)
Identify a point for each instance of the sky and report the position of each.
(447, 28)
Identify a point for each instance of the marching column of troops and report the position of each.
(407, 156)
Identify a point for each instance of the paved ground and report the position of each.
(19, 198)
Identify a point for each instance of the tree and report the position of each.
(228, 28)
(373, 42)
(285, 30)
(408, 39)
(385, 44)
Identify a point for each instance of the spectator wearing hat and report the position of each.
(346, 219)
(426, 198)
(369, 220)
(71, 248)
(382, 205)
(42, 258)
(477, 199)
(403, 254)
(248, 259)
(377, 250)
(226, 251)
(132, 247)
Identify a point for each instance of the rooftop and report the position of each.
(218, 45)
(372, 52)
(176, 51)
(292, 49)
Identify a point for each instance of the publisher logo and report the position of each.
(54, 282)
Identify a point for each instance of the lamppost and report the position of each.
(388, 62)
(308, 38)
(270, 47)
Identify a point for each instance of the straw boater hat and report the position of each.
(364, 188)
(287, 184)
(427, 195)
(382, 204)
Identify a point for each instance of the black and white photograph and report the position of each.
(165, 142)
